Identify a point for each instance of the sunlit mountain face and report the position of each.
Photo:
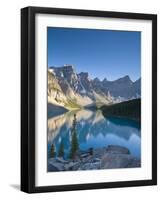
(94, 130)
(70, 90)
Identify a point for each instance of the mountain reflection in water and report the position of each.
(93, 130)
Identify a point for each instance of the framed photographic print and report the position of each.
(88, 99)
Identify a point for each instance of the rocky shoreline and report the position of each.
(110, 157)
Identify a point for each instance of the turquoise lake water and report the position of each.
(94, 130)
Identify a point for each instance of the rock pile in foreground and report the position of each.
(111, 157)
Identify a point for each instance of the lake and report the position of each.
(94, 131)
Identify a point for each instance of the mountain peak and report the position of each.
(84, 74)
(125, 79)
(67, 66)
(96, 79)
(104, 80)
(138, 80)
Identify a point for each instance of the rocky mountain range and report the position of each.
(71, 90)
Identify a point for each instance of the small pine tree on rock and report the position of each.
(74, 142)
(52, 151)
(61, 150)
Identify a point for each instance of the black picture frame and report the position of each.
(28, 98)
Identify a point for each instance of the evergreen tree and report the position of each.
(52, 151)
(91, 151)
(74, 142)
(61, 150)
